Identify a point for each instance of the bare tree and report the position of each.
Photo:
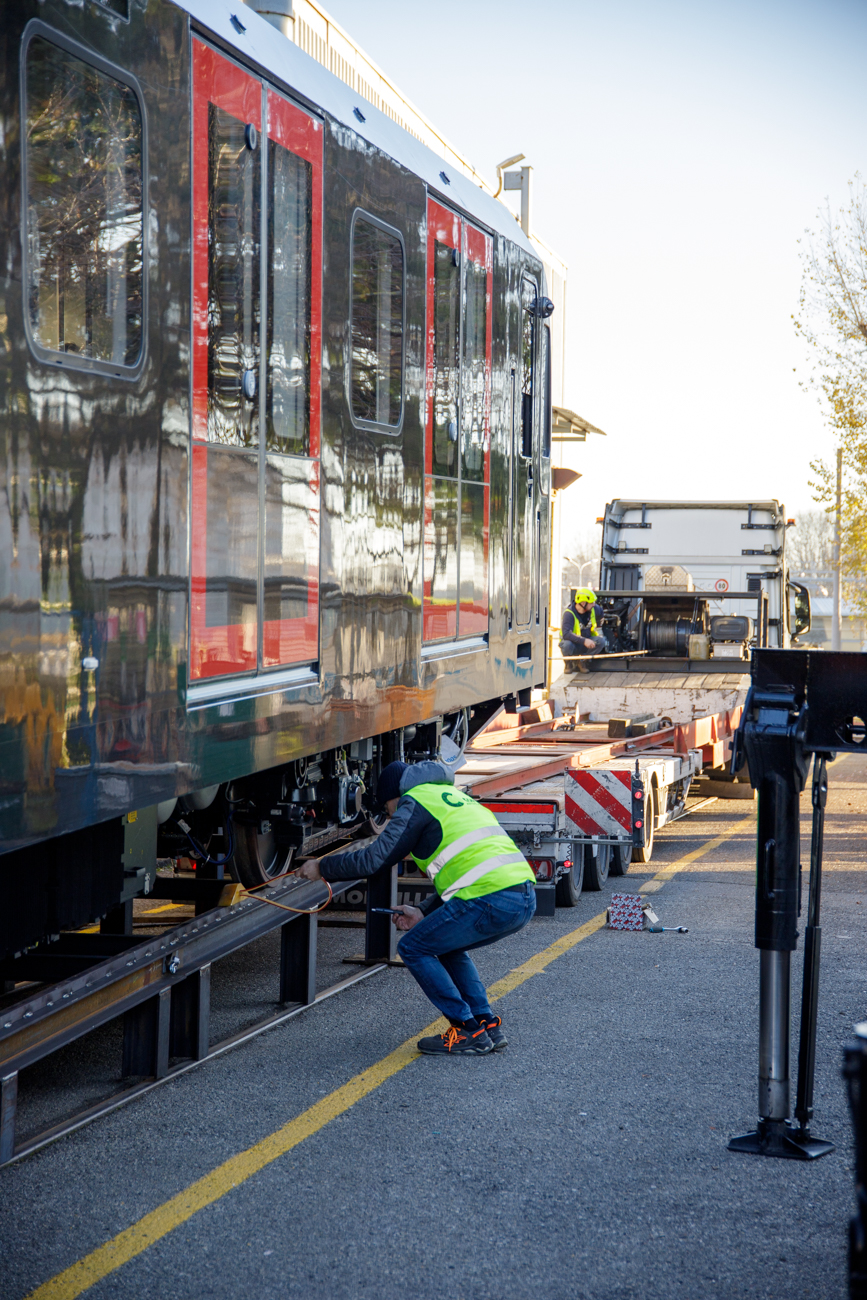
(581, 562)
(809, 550)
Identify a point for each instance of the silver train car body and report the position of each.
(275, 467)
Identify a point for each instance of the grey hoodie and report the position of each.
(412, 830)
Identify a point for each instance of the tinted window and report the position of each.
(289, 225)
(233, 280)
(545, 368)
(528, 347)
(474, 397)
(84, 208)
(446, 371)
(377, 324)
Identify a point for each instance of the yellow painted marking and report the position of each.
(150, 911)
(666, 873)
(73, 1281)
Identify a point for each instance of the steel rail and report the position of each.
(160, 985)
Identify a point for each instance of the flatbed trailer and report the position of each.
(582, 805)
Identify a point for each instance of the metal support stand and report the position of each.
(812, 955)
(380, 937)
(190, 1023)
(855, 1074)
(8, 1115)
(298, 961)
(774, 727)
(146, 1031)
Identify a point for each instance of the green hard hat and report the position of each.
(584, 594)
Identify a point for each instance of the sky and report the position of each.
(680, 151)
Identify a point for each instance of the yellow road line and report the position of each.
(165, 1218)
(151, 911)
(650, 886)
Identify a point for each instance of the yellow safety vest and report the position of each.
(577, 628)
(475, 855)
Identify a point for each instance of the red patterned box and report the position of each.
(626, 912)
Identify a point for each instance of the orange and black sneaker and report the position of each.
(493, 1027)
(457, 1041)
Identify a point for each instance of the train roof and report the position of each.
(262, 44)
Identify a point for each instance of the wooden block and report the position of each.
(230, 895)
(726, 790)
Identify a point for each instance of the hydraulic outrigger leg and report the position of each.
(772, 736)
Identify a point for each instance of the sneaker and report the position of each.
(457, 1042)
(493, 1027)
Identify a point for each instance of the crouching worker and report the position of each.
(484, 891)
(580, 633)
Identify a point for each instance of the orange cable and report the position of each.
(299, 911)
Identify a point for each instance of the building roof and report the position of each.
(569, 427)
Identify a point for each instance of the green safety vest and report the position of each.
(475, 855)
(577, 628)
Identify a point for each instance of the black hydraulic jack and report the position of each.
(801, 705)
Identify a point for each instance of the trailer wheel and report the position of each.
(596, 865)
(639, 854)
(568, 889)
(258, 858)
(621, 856)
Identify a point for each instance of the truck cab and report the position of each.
(700, 569)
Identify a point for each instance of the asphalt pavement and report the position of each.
(587, 1162)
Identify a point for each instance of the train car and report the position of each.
(276, 453)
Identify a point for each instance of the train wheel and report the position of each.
(621, 856)
(644, 855)
(258, 858)
(570, 884)
(596, 865)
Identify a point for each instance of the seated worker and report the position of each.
(484, 891)
(580, 635)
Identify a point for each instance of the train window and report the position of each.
(84, 132)
(474, 404)
(119, 7)
(289, 239)
(528, 342)
(233, 280)
(446, 357)
(545, 370)
(376, 383)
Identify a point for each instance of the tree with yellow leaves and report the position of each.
(833, 322)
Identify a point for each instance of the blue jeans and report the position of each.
(435, 949)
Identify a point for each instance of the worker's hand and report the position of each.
(591, 645)
(309, 870)
(409, 916)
